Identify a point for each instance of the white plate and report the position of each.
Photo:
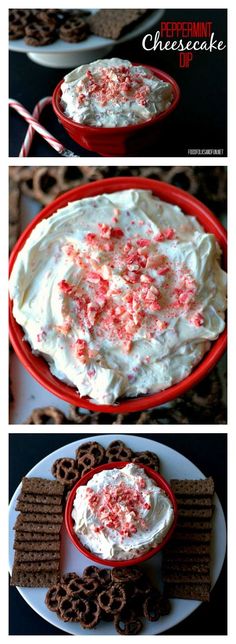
(173, 465)
(87, 50)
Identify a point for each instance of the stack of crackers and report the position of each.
(186, 559)
(37, 533)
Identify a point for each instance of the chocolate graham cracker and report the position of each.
(195, 513)
(39, 485)
(38, 517)
(20, 557)
(188, 577)
(39, 499)
(194, 524)
(187, 548)
(186, 566)
(192, 537)
(111, 23)
(200, 592)
(33, 579)
(37, 507)
(196, 502)
(38, 536)
(32, 527)
(36, 546)
(37, 566)
(174, 559)
(199, 487)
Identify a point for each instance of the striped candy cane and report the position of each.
(39, 107)
(36, 126)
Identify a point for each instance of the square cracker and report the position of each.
(110, 23)
(39, 485)
(33, 580)
(191, 487)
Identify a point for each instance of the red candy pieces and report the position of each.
(81, 350)
(115, 84)
(164, 235)
(119, 507)
(197, 319)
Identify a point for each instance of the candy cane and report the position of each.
(25, 148)
(36, 126)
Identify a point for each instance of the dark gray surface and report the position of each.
(206, 451)
(199, 121)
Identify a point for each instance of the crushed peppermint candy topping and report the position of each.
(81, 349)
(165, 235)
(118, 84)
(120, 508)
(123, 286)
(197, 319)
(64, 328)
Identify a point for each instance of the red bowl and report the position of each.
(116, 141)
(38, 367)
(159, 480)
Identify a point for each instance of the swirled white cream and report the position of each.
(121, 513)
(113, 93)
(121, 293)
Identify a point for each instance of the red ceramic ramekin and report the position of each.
(159, 480)
(117, 141)
(38, 367)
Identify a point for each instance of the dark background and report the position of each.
(206, 451)
(198, 122)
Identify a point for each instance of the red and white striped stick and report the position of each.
(36, 126)
(25, 148)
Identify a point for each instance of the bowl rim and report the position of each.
(34, 364)
(125, 128)
(118, 563)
